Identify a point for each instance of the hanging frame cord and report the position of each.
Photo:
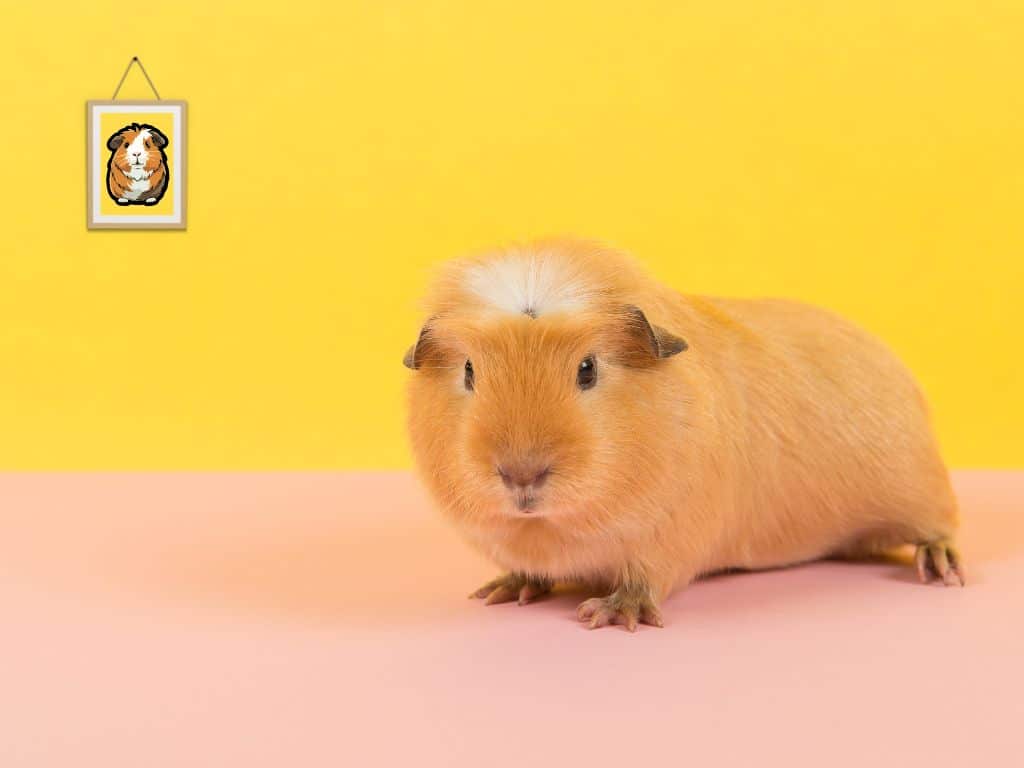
(135, 60)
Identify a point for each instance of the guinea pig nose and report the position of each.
(523, 474)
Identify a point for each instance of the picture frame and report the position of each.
(136, 168)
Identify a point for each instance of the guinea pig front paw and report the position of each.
(512, 586)
(625, 607)
(940, 559)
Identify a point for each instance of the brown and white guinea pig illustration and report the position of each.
(137, 169)
(580, 422)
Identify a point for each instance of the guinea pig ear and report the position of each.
(417, 352)
(158, 138)
(653, 342)
(115, 141)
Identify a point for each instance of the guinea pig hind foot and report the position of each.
(512, 586)
(940, 560)
(623, 606)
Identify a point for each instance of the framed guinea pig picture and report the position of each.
(136, 164)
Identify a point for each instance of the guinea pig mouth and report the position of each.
(525, 502)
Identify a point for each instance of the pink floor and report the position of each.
(321, 619)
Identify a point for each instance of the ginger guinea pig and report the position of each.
(580, 422)
(137, 168)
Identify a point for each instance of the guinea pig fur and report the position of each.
(137, 168)
(580, 422)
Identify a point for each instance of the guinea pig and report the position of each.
(580, 422)
(137, 168)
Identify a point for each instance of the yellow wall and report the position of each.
(865, 155)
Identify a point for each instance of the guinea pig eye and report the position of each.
(586, 374)
(468, 380)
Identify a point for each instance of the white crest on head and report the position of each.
(534, 283)
(136, 151)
